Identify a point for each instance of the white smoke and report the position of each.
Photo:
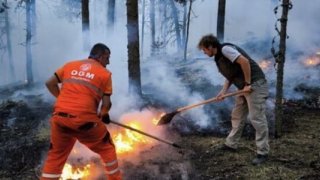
(59, 40)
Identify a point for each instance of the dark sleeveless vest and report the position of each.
(232, 70)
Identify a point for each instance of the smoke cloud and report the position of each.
(249, 23)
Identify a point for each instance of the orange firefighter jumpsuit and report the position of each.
(75, 117)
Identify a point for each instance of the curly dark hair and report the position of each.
(209, 40)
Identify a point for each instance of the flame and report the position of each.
(312, 61)
(156, 120)
(265, 64)
(127, 140)
(74, 151)
(72, 172)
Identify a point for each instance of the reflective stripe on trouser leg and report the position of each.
(112, 167)
(61, 145)
(46, 176)
(101, 143)
(257, 107)
(238, 118)
(111, 162)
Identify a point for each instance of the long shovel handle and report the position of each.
(211, 100)
(146, 134)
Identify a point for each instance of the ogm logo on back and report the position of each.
(83, 72)
(85, 67)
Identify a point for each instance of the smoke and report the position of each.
(249, 24)
(166, 80)
(161, 80)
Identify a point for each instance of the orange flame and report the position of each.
(312, 61)
(72, 172)
(127, 140)
(156, 120)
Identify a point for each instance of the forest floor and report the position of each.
(24, 142)
(295, 155)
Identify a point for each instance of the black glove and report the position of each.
(105, 118)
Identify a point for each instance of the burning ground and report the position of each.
(24, 114)
(294, 156)
(25, 141)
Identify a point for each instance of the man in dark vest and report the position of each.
(240, 70)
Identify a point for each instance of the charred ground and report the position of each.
(24, 140)
(21, 143)
(293, 156)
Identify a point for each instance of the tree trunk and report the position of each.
(163, 27)
(184, 25)
(142, 27)
(111, 16)
(152, 26)
(85, 24)
(187, 35)
(29, 5)
(280, 59)
(175, 16)
(33, 19)
(133, 47)
(221, 19)
(9, 47)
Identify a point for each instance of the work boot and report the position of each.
(260, 159)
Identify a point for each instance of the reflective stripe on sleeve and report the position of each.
(46, 175)
(113, 171)
(111, 163)
(85, 83)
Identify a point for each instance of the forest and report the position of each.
(158, 69)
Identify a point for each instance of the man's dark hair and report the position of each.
(209, 40)
(97, 50)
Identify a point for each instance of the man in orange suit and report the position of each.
(84, 84)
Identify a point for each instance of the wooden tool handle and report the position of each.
(146, 134)
(211, 100)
